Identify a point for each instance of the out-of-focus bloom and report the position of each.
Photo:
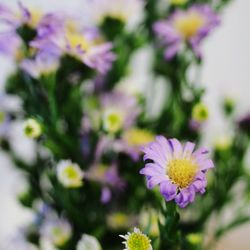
(194, 238)
(41, 65)
(149, 220)
(223, 143)
(132, 140)
(178, 2)
(57, 230)
(129, 12)
(84, 44)
(117, 221)
(186, 26)
(21, 16)
(244, 123)
(32, 128)
(178, 170)
(136, 240)
(88, 242)
(69, 174)
(119, 111)
(200, 112)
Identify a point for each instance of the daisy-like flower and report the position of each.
(136, 241)
(129, 12)
(88, 242)
(200, 112)
(57, 230)
(186, 26)
(59, 35)
(32, 128)
(69, 174)
(178, 170)
(119, 111)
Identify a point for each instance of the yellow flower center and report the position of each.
(113, 121)
(71, 173)
(138, 241)
(178, 2)
(138, 137)
(200, 112)
(77, 40)
(182, 171)
(189, 24)
(36, 16)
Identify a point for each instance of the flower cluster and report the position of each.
(88, 131)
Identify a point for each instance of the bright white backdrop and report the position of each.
(225, 73)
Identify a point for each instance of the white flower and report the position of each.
(129, 12)
(88, 242)
(32, 128)
(57, 231)
(136, 241)
(113, 120)
(69, 174)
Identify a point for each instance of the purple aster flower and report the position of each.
(178, 170)
(59, 35)
(186, 26)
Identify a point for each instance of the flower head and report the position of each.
(178, 170)
(119, 111)
(186, 26)
(88, 242)
(69, 174)
(58, 231)
(136, 241)
(129, 12)
(59, 35)
(200, 112)
(32, 128)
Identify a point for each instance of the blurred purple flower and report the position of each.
(178, 170)
(59, 35)
(190, 26)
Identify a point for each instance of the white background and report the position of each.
(226, 73)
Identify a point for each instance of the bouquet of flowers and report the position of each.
(120, 161)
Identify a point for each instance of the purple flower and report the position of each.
(186, 26)
(60, 36)
(178, 170)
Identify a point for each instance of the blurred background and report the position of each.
(225, 74)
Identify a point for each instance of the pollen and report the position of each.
(182, 171)
(77, 40)
(189, 25)
(138, 241)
